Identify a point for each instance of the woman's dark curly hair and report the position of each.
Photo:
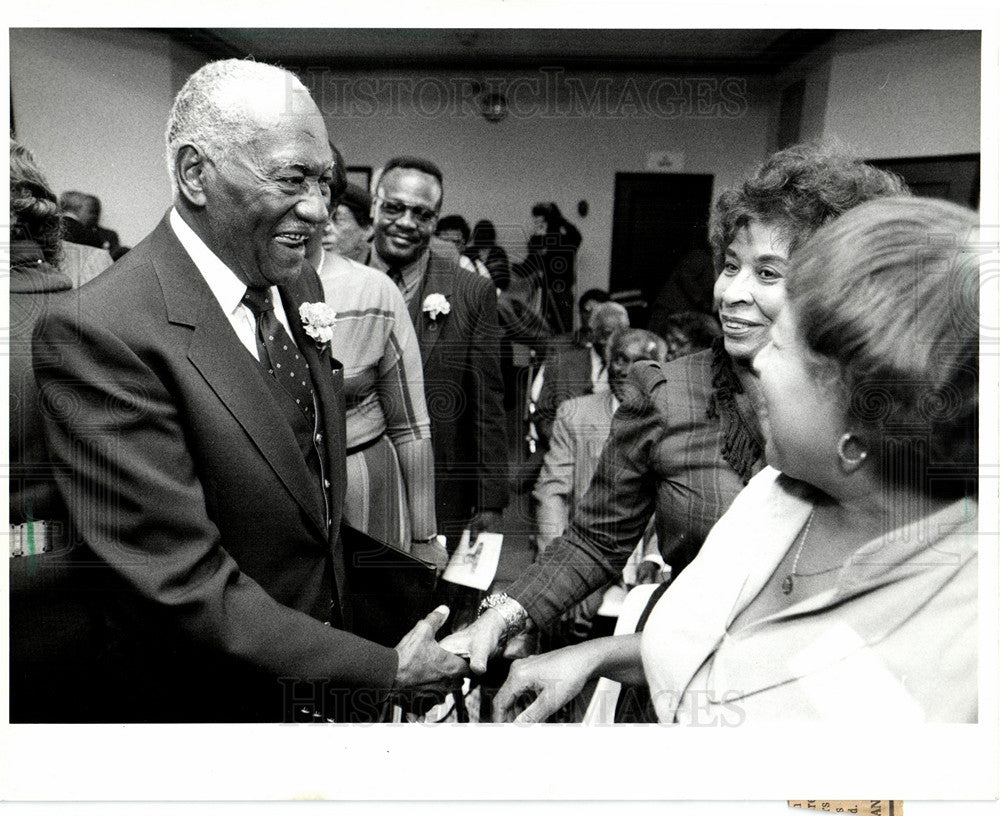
(799, 188)
(34, 208)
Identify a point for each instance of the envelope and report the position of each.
(474, 563)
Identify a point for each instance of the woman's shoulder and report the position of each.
(691, 368)
(349, 284)
(770, 481)
(654, 386)
(340, 269)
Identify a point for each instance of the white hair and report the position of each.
(611, 312)
(214, 108)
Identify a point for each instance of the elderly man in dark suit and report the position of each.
(454, 312)
(199, 425)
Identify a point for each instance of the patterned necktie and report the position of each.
(277, 353)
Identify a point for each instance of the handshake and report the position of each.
(428, 666)
(536, 687)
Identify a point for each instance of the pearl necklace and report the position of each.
(788, 584)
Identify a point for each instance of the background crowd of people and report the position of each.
(288, 355)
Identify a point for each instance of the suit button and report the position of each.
(326, 483)
(319, 438)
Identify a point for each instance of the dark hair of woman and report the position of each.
(34, 208)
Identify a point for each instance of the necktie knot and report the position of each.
(258, 299)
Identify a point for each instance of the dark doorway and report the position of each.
(954, 178)
(660, 259)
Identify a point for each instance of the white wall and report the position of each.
(551, 147)
(92, 105)
(914, 94)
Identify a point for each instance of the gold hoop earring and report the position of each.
(850, 463)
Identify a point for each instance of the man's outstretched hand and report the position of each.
(422, 662)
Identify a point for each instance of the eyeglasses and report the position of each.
(395, 209)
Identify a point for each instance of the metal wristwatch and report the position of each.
(515, 617)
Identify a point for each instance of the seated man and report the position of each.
(572, 370)
(581, 428)
(80, 214)
(81, 223)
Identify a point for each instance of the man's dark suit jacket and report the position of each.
(77, 232)
(464, 389)
(182, 474)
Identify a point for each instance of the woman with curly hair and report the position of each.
(841, 584)
(691, 440)
(52, 642)
(34, 210)
(36, 251)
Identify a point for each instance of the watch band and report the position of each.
(514, 615)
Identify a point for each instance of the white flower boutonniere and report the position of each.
(436, 304)
(318, 320)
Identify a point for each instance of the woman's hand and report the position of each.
(539, 686)
(478, 641)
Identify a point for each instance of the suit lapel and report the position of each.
(438, 279)
(228, 368)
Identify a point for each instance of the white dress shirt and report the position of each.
(227, 288)
(598, 372)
